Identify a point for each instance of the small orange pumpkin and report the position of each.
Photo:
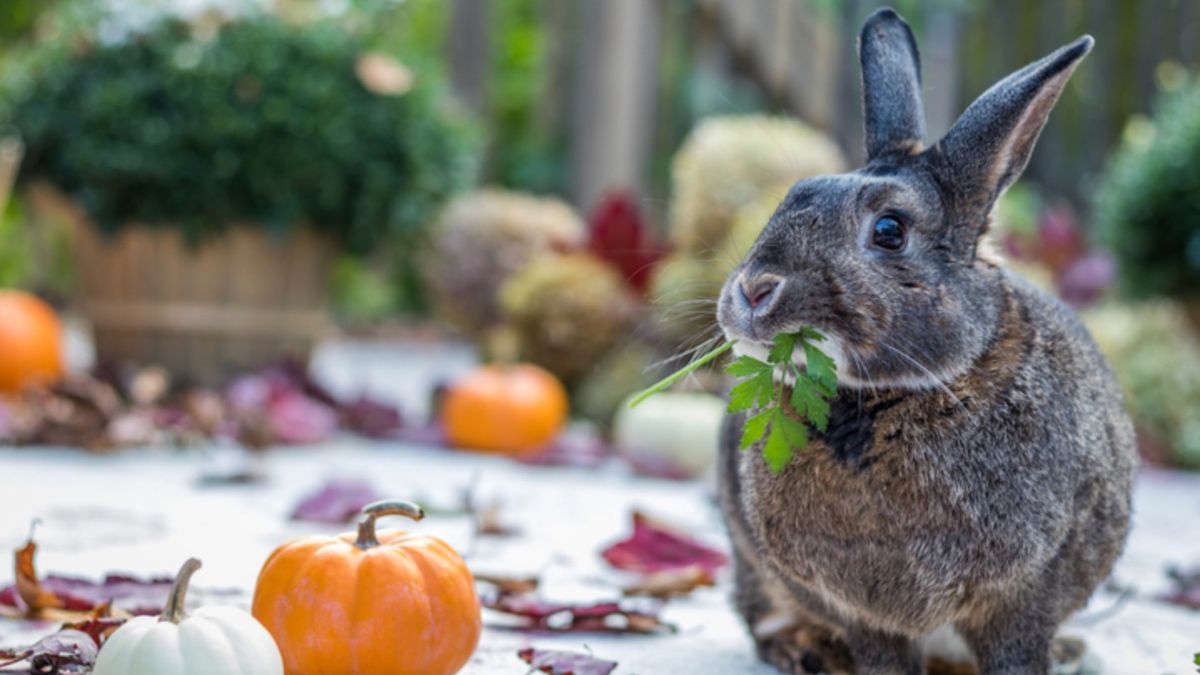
(391, 603)
(512, 409)
(30, 342)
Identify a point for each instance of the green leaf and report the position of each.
(777, 451)
(781, 352)
(747, 366)
(751, 392)
(821, 369)
(810, 334)
(666, 382)
(755, 428)
(794, 431)
(808, 399)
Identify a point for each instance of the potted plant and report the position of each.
(212, 171)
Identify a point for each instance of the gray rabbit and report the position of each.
(975, 474)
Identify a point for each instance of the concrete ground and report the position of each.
(145, 512)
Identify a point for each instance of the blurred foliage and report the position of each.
(567, 311)
(1157, 360)
(18, 19)
(1147, 208)
(362, 293)
(197, 126)
(480, 240)
(727, 179)
(525, 152)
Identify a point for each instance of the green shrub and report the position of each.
(1147, 207)
(261, 121)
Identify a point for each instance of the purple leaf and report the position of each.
(136, 596)
(338, 502)
(559, 617)
(371, 417)
(572, 448)
(558, 662)
(297, 419)
(654, 547)
(67, 651)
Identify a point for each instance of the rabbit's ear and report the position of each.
(990, 144)
(891, 73)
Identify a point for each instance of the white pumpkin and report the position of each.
(211, 641)
(681, 427)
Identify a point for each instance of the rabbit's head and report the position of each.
(886, 260)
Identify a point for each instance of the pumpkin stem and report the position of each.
(388, 507)
(174, 611)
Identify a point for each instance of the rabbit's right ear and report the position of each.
(990, 144)
(891, 74)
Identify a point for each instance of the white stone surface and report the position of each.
(144, 512)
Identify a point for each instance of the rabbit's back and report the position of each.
(921, 507)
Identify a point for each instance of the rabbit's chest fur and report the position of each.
(915, 508)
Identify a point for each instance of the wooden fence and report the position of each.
(614, 80)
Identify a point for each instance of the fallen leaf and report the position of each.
(509, 585)
(66, 651)
(654, 465)
(1187, 588)
(558, 662)
(133, 595)
(655, 547)
(572, 448)
(371, 417)
(671, 583)
(338, 501)
(488, 522)
(100, 624)
(560, 617)
(297, 419)
(63, 598)
(28, 586)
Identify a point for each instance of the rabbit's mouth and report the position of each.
(833, 345)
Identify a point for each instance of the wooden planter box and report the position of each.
(236, 302)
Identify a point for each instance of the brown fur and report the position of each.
(979, 476)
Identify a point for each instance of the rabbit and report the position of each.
(975, 475)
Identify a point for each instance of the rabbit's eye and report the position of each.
(888, 234)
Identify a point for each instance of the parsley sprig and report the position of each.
(762, 388)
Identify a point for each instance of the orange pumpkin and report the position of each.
(391, 603)
(513, 409)
(30, 342)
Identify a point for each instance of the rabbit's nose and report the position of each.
(761, 290)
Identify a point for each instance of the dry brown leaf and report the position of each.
(29, 587)
(671, 583)
(510, 584)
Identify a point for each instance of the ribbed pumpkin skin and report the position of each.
(405, 607)
(507, 409)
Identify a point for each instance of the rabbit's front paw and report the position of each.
(806, 651)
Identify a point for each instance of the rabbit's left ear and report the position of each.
(891, 79)
(990, 144)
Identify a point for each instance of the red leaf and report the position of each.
(558, 662)
(618, 234)
(560, 617)
(654, 547)
(1187, 588)
(337, 502)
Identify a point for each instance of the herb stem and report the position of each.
(678, 375)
